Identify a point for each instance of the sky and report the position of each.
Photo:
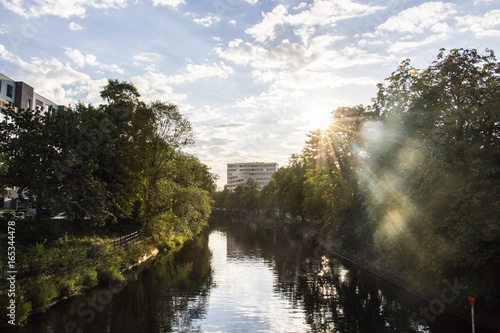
(253, 76)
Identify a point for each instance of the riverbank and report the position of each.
(71, 265)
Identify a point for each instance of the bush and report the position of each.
(42, 291)
(67, 287)
(135, 252)
(23, 310)
(99, 250)
(90, 278)
(107, 273)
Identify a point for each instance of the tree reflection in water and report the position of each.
(334, 298)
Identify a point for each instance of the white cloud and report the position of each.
(6, 55)
(169, 3)
(403, 46)
(51, 78)
(418, 19)
(265, 29)
(205, 113)
(75, 55)
(155, 86)
(252, 2)
(487, 25)
(75, 26)
(317, 56)
(322, 12)
(208, 20)
(147, 56)
(319, 13)
(62, 8)
(90, 59)
(196, 72)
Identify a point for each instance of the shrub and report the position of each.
(67, 287)
(90, 278)
(106, 273)
(23, 310)
(99, 250)
(42, 291)
(135, 252)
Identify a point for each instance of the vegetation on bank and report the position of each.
(111, 169)
(411, 182)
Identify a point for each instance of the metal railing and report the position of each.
(124, 240)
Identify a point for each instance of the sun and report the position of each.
(319, 118)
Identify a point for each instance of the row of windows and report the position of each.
(251, 169)
(273, 165)
(266, 179)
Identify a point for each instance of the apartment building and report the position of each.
(238, 173)
(23, 96)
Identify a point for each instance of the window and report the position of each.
(0, 86)
(10, 90)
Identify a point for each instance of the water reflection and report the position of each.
(238, 277)
(244, 298)
(326, 296)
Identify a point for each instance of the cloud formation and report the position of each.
(62, 8)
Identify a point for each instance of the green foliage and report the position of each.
(67, 286)
(135, 251)
(99, 250)
(109, 273)
(89, 278)
(433, 175)
(42, 291)
(100, 164)
(23, 310)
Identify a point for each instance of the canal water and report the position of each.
(242, 277)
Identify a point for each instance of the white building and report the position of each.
(238, 173)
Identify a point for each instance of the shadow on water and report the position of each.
(176, 294)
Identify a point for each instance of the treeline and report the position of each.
(117, 162)
(411, 182)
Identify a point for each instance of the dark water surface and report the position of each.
(239, 277)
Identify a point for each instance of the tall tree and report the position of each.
(435, 186)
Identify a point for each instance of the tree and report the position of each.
(250, 195)
(434, 184)
(117, 161)
(288, 185)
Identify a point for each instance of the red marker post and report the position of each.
(472, 300)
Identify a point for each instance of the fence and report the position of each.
(124, 240)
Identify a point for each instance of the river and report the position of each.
(242, 277)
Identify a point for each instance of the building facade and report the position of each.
(23, 96)
(238, 173)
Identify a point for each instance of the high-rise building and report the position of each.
(238, 173)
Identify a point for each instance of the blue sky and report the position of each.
(253, 76)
